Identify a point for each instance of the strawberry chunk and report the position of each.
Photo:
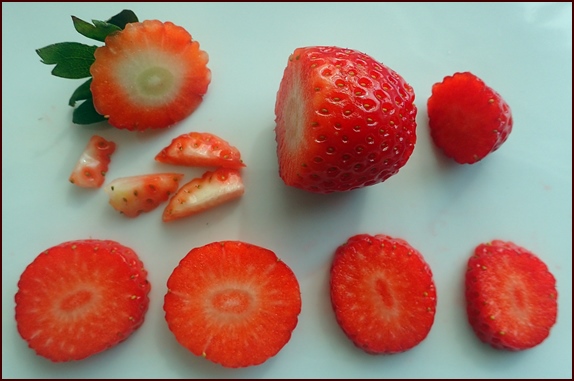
(467, 119)
(511, 296)
(234, 303)
(383, 294)
(134, 195)
(210, 190)
(80, 298)
(149, 75)
(90, 169)
(197, 149)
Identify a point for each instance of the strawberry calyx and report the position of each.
(73, 61)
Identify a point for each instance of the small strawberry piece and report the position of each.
(80, 298)
(91, 167)
(143, 193)
(382, 293)
(467, 119)
(343, 120)
(149, 75)
(511, 297)
(234, 303)
(200, 149)
(210, 190)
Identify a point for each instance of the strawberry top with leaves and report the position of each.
(343, 120)
(511, 296)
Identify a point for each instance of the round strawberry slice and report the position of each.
(383, 294)
(234, 303)
(80, 298)
(149, 75)
(511, 296)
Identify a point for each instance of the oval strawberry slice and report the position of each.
(149, 75)
(80, 298)
(233, 303)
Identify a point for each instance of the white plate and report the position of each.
(522, 192)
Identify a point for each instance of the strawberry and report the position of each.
(148, 75)
(200, 149)
(343, 120)
(234, 303)
(511, 297)
(210, 190)
(80, 298)
(90, 169)
(467, 119)
(382, 293)
(142, 193)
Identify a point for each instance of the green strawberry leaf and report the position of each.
(98, 31)
(72, 59)
(124, 17)
(86, 113)
(81, 93)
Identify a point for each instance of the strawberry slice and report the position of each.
(383, 294)
(511, 296)
(197, 149)
(143, 193)
(90, 169)
(80, 298)
(234, 303)
(210, 190)
(149, 75)
(467, 119)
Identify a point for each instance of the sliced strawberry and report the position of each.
(382, 293)
(511, 296)
(91, 167)
(234, 303)
(138, 194)
(467, 119)
(201, 149)
(210, 190)
(80, 298)
(149, 75)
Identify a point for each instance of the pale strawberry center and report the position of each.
(76, 301)
(232, 301)
(294, 115)
(384, 293)
(155, 81)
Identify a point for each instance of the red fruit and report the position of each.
(511, 297)
(149, 75)
(200, 149)
(138, 194)
(91, 167)
(234, 303)
(208, 191)
(80, 298)
(468, 120)
(343, 120)
(382, 293)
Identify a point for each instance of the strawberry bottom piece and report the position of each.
(234, 303)
(383, 294)
(80, 298)
(511, 296)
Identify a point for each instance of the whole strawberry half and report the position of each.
(511, 296)
(383, 293)
(80, 298)
(233, 303)
(343, 120)
(467, 119)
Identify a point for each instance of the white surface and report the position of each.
(522, 192)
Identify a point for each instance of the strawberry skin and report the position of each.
(382, 293)
(80, 298)
(149, 75)
(200, 149)
(467, 119)
(134, 195)
(343, 120)
(210, 190)
(234, 303)
(511, 297)
(90, 169)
